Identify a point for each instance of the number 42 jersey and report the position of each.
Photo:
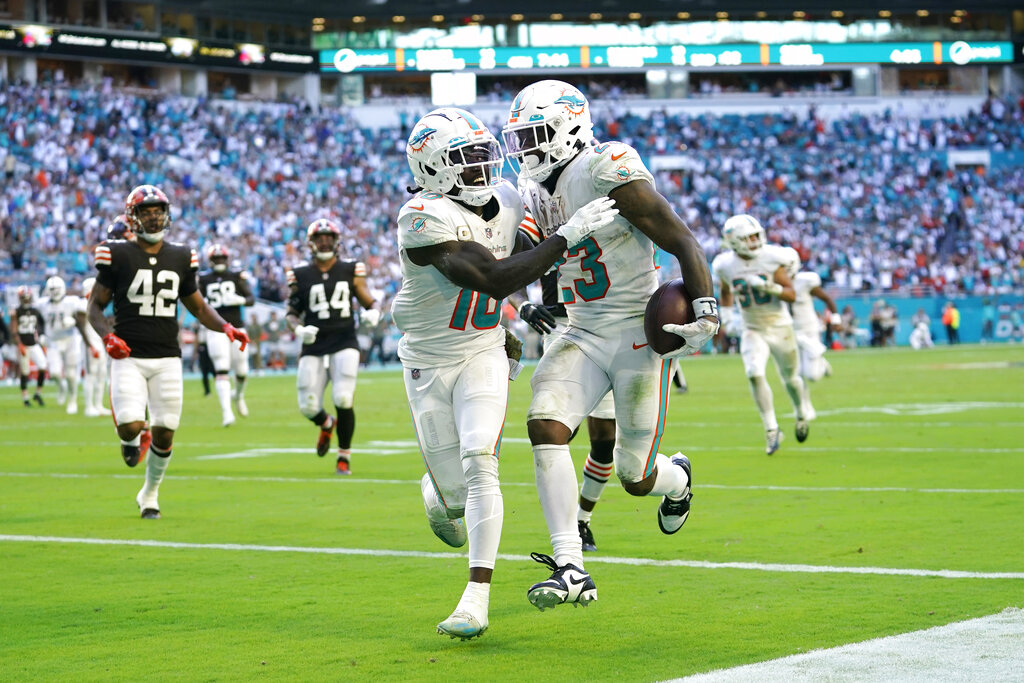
(146, 288)
(324, 299)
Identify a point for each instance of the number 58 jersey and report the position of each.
(443, 323)
(146, 288)
(324, 299)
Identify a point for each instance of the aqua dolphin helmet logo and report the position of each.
(419, 140)
(574, 104)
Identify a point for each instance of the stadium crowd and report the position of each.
(867, 200)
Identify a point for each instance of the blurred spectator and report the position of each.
(951, 320)
(921, 335)
(988, 320)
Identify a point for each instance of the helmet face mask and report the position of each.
(451, 152)
(218, 257)
(548, 122)
(323, 237)
(148, 213)
(55, 288)
(744, 235)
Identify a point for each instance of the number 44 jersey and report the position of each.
(146, 288)
(324, 299)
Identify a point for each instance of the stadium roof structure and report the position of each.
(303, 10)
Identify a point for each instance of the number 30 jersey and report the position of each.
(606, 281)
(146, 288)
(325, 300)
(443, 323)
(760, 310)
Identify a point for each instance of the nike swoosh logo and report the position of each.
(416, 208)
(619, 156)
(635, 347)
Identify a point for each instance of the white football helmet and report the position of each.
(452, 152)
(87, 285)
(55, 288)
(548, 122)
(744, 235)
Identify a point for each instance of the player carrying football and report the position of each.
(145, 278)
(605, 282)
(459, 242)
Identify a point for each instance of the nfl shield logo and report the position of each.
(415, 374)
(488, 232)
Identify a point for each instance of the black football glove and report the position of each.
(538, 317)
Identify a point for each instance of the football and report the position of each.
(670, 303)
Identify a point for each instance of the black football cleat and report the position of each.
(568, 585)
(150, 513)
(38, 398)
(131, 455)
(323, 442)
(587, 537)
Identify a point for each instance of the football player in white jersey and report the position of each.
(94, 384)
(64, 315)
(605, 284)
(807, 324)
(459, 242)
(756, 276)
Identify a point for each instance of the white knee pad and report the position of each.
(481, 472)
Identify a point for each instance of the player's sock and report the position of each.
(222, 383)
(239, 387)
(485, 509)
(556, 487)
(669, 479)
(323, 420)
(475, 599)
(346, 427)
(596, 471)
(155, 468)
(799, 394)
(763, 398)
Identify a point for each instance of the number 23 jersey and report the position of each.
(146, 288)
(325, 300)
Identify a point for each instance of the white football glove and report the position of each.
(696, 334)
(232, 299)
(307, 333)
(370, 316)
(758, 283)
(587, 219)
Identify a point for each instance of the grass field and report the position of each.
(266, 565)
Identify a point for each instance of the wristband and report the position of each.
(705, 306)
(514, 368)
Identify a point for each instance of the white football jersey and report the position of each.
(441, 322)
(606, 280)
(760, 310)
(60, 317)
(805, 320)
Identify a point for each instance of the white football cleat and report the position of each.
(243, 409)
(672, 514)
(72, 408)
(228, 419)
(461, 624)
(92, 411)
(772, 439)
(802, 430)
(149, 508)
(451, 531)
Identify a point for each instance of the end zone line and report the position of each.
(634, 561)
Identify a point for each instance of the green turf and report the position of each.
(917, 462)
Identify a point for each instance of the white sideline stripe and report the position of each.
(348, 481)
(633, 561)
(986, 649)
